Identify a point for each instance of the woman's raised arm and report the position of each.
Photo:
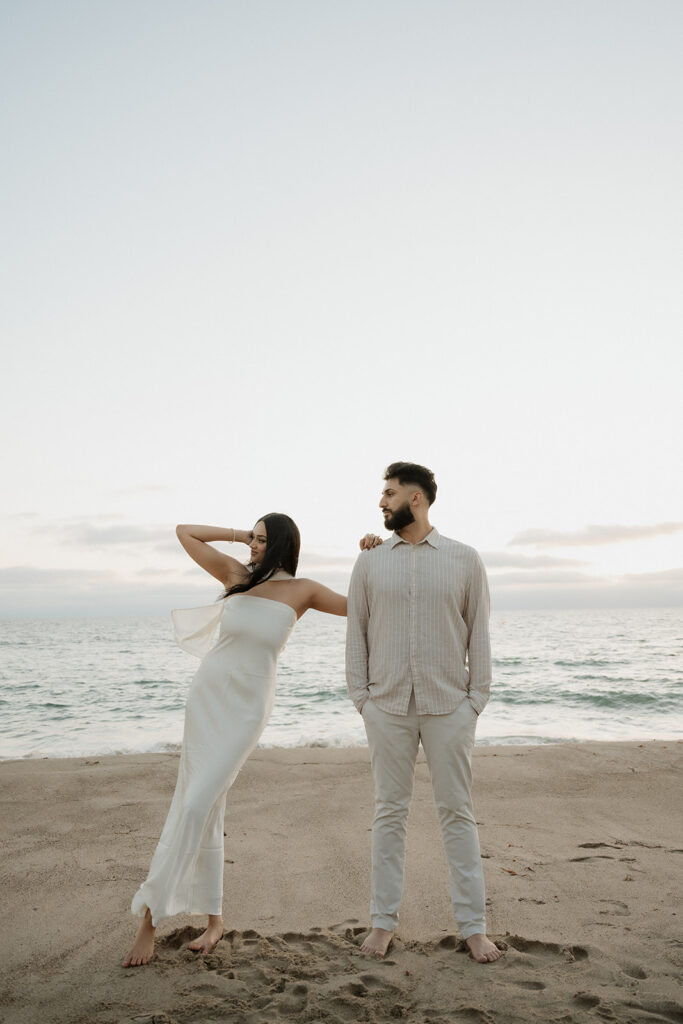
(195, 540)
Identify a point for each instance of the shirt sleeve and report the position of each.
(478, 639)
(358, 615)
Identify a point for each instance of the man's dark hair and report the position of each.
(411, 473)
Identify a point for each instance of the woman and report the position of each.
(229, 702)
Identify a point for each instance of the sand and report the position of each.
(583, 856)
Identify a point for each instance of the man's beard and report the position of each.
(399, 519)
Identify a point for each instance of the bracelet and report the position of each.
(234, 535)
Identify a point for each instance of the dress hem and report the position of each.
(140, 909)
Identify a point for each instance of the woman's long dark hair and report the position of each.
(282, 552)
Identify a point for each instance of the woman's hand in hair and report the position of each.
(223, 567)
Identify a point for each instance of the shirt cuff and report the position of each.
(478, 703)
(359, 703)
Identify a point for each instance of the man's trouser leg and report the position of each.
(393, 741)
(447, 741)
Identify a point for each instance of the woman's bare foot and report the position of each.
(377, 942)
(208, 939)
(482, 949)
(143, 947)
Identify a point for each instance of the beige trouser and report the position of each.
(447, 741)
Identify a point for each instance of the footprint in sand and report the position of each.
(458, 944)
(370, 984)
(345, 1008)
(217, 986)
(308, 940)
(320, 976)
(633, 971)
(356, 988)
(535, 947)
(371, 981)
(253, 976)
(295, 999)
(472, 1015)
(615, 908)
(664, 1009)
(237, 939)
(598, 856)
(586, 1000)
(352, 923)
(178, 938)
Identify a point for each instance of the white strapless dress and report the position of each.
(228, 706)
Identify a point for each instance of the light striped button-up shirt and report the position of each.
(418, 621)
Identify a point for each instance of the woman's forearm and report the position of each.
(209, 533)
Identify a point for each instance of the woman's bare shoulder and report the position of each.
(302, 582)
(305, 585)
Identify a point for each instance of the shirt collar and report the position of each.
(432, 538)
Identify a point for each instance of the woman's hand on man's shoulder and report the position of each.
(370, 540)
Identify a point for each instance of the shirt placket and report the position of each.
(412, 619)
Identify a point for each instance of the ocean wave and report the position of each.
(596, 662)
(70, 688)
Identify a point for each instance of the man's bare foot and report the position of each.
(143, 947)
(377, 942)
(482, 949)
(205, 942)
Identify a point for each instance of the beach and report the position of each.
(583, 863)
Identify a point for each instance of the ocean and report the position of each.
(81, 687)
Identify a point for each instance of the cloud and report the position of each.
(33, 592)
(509, 560)
(538, 590)
(573, 579)
(27, 576)
(85, 534)
(664, 576)
(541, 578)
(593, 535)
(169, 547)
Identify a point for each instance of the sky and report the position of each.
(254, 252)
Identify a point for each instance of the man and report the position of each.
(418, 668)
